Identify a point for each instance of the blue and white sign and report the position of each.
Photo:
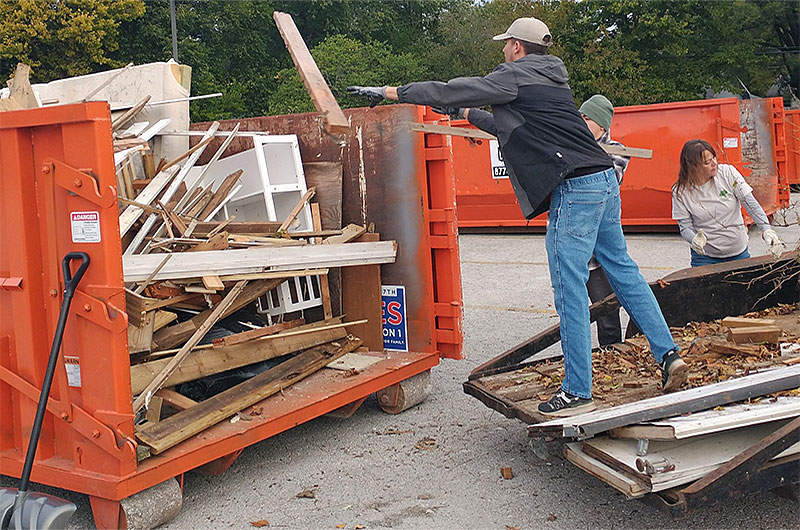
(395, 331)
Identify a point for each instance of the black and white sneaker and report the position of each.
(563, 404)
(673, 371)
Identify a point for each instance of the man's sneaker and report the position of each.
(564, 404)
(673, 371)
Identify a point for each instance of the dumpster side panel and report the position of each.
(792, 137)
(58, 196)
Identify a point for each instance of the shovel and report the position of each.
(38, 510)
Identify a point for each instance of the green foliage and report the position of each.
(344, 61)
(62, 38)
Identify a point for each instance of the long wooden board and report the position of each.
(225, 262)
(165, 434)
(321, 95)
(711, 421)
(692, 400)
(211, 361)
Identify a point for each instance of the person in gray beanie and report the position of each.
(555, 165)
(597, 112)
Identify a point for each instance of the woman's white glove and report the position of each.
(774, 243)
(699, 242)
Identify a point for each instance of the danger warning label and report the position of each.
(85, 227)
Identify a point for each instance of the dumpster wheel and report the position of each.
(154, 506)
(405, 394)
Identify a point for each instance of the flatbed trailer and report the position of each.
(691, 295)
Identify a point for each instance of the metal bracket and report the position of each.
(13, 283)
(96, 311)
(80, 183)
(98, 433)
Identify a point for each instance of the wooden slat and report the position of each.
(296, 210)
(349, 233)
(217, 242)
(361, 299)
(754, 334)
(432, 128)
(742, 322)
(692, 400)
(146, 196)
(140, 337)
(324, 102)
(174, 335)
(165, 434)
(221, 194)
(324, 287)
(612, 477)
(173, 364)
(211, 360)
(175, 400)
(163, 319)
(213, 282)
(249, 335)
(128, 115)
(240, 227)
(225, 262)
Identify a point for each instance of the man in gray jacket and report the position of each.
(555, 165)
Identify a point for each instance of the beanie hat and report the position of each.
(598, 109)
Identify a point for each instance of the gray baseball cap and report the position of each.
(528, 29)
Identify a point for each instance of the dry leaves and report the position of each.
(426, 444)
(259, 524)
(306, 494)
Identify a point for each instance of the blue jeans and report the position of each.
(584, 218)
(698, 260)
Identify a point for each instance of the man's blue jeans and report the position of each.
(584, 218)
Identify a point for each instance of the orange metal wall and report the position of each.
(54, 162)
(484, 201)
(792, 136)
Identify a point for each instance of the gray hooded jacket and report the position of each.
(541, 133)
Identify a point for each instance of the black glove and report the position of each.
(455, 113)
(375, 94)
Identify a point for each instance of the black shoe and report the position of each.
(564, 404)
(673, 371)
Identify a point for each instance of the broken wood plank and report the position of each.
(146, 196)
(226, 262)
(200, 145)
(321, 96)
(153, 414)
(296, 210)
(140, 337)
(240, 227)
(742, 322)
(324, 287)
(174, 399)
(212, 319)
(213, 282)
(754, 334)
(152, 275)
(349, 233)
(216, 242)
(245, 336)
(135, 307)
(174, 335)
(209, 360)
(361, 299)
(162, 319)
(220, 195)
(173, 430)
(122, 120)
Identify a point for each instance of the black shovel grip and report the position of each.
(71, 281)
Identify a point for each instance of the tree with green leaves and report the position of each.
(62, 38)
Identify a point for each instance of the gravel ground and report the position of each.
(369, 471)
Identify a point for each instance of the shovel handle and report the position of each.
(71, 281)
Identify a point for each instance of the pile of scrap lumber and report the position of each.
(741, 408)
(187, 268)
